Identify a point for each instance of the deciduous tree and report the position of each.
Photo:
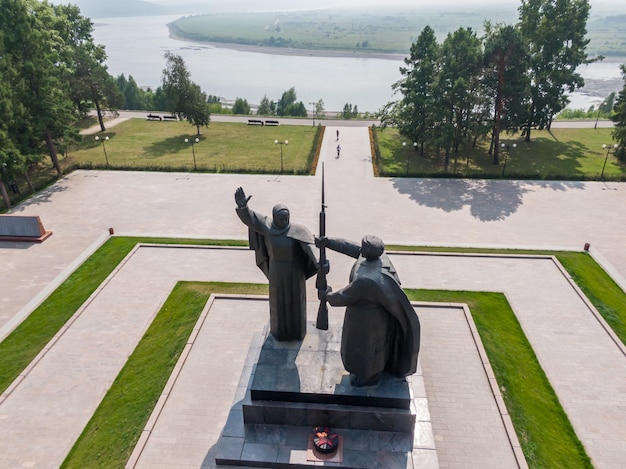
(505, 80)
(183, 97)
(554, 31)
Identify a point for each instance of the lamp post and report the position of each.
(507, 149)
(281, 143)
(193, 151)
(408, 155)
(608, 150)
(104, 148)
(313, 104)
(603, 103)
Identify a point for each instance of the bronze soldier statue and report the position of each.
(284, 252)
(381, 332)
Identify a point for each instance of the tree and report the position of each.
(287, 99)
(456, 88)
(183, 97)
(265, 107)
(619, 118)
(554, 31)
(319, 112)
(241, 106)
(504, 79)
(88, 81)
(413, 112)
(42, 87)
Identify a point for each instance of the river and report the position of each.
(136, 45)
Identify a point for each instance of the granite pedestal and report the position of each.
(292, 387)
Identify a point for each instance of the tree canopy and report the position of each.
(182, 96)
(51, 72)
(513, 78)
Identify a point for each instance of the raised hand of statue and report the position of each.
(240, 198)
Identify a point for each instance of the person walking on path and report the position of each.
(338, 150)
(337, 135)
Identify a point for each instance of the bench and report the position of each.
(170, 118)
(271, 122)
(22, 228)
(154, 117)
(255, 122)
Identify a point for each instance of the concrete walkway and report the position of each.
(584, 367)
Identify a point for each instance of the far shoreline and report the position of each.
(290, 51)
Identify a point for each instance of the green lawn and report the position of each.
(223, 147)
(111, 435)
(572, 154)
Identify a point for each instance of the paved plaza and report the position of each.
(41, 417)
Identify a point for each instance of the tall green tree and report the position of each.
(183, 97)
(413, 112)
(287, 99)
(48, 115)
(89, 83)
(265, 107)
(505, 80)
(554, 31)
(619, 118)
(241, 106)
(456, 87)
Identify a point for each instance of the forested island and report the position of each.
(371, 31)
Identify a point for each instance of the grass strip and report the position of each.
(112, 433)
(20, 347)
(542, 426)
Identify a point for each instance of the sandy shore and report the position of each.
(291, 50)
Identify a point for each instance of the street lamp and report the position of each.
(608, 150)
(281, 143)
(105, 139)
(408, 155)
(193, 151)
(603, 103)
(507, 149)
(313, 104)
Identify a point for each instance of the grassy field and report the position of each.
(222, 147)
(107, 441)
(573, 154)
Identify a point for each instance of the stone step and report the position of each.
(329, 415)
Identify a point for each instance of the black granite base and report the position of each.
(303, 385)
(311, 371)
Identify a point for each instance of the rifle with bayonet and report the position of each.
(321, 282)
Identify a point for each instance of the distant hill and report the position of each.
(111, 8)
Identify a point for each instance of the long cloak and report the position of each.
(381, 331)
(286, 258)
